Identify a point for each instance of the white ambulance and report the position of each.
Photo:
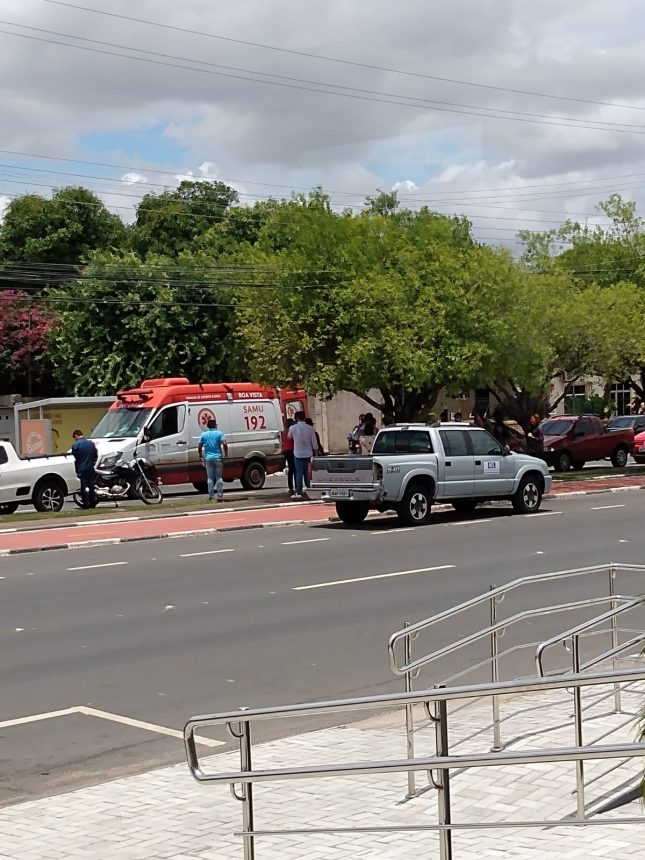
(164, 418)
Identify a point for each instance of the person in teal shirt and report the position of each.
(212, 450)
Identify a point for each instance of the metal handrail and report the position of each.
(415, 665)
(498, 594)
(385, 700)
(439, 765)
(585, 625)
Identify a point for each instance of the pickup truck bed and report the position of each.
(41, 481)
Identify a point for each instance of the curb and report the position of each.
(209, 531)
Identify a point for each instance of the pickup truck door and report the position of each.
(458, 466)
(587, 444)
(494, 473)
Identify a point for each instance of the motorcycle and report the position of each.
(137, 479)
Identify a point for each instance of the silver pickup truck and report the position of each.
(413, 465)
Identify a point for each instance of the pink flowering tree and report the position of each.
(25, 328)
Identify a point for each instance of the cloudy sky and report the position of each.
(516, 114)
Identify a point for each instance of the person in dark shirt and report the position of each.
(85, 457)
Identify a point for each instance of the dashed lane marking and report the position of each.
(96, 566)
(205, 552)
(370, 578)
(607, 507)
(309, 540)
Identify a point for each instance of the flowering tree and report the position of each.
(25, 329)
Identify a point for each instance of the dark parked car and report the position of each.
(623, 422)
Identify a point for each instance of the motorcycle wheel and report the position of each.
(78, 500)
(149, 493)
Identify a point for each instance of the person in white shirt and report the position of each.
(305, 445)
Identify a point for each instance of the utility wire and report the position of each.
(421, 104)
(345, 62)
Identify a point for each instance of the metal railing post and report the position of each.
(443, 782)
(577, 715)
(409, 712)
(247, 791)
(494, 672)
(614, 635)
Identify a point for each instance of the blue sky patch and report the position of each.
(145, 145)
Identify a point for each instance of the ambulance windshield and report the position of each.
(123, 422)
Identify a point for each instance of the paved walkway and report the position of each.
(165, 814)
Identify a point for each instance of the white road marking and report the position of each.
(310, 540)
(544, 514)
(369, 578)
(7, 531)
(206, 552)
(473, 522)
(95, 566)
(35, 718)
(607, 507)
(105, 715)
(110, 521)
(391, 531)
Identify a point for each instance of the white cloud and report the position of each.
(266, 139)
(134, 178)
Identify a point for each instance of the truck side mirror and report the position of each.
(146, 437)
(506, 450)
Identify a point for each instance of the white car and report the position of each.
(41, 481)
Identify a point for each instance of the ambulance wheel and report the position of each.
(201, 486)
(253, 476)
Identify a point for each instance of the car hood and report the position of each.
(640, 438)
(552, 441)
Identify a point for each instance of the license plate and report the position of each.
(339, 494)
(641, 450)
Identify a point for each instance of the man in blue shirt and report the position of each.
(212, 449)
(85, 457)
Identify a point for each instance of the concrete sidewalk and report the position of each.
(165, 814)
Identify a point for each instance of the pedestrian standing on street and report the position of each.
(212, 449)
(320, 451)
(85, 457)
(535, 437)
(305, 446)
(287, 447)
(368, 435)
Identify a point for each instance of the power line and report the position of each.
(326, 84)
(418, 195)
(345, 62)
(422, 104)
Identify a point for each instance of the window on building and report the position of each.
(620, 395)
(574, 395)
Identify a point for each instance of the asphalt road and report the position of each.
(160, 630)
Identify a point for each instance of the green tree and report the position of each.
(171, 222)
(402, 303)
(66, 228)
(130, 319)
(612, 257)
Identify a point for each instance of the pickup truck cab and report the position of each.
(572, 440)
(414, 465)
(43, 481)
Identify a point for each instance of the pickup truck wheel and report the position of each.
(49, 497)
(253, 476)
(352, 513)
(465, 506)
(9, 508)
(563, 463)
(619, 457)
(201, 486)
(578, 465)
(528, 497)
(416, 506)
